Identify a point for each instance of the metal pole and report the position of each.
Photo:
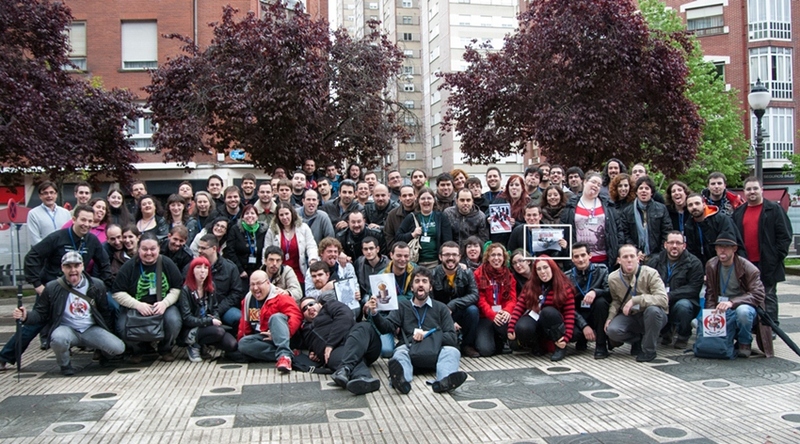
(759, 145)
(18, 348)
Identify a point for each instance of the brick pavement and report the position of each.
(518, 398)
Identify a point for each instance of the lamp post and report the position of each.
(759, 100)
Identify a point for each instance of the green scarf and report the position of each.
(252, 229)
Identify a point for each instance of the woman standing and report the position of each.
(246, 243)
(432, 228)
(204, 205)
(497, 296)
(459, 179)
(219, 228)
(294, 238)
(552, 205)
(179, 215)
(201, 321)
(148, 217)
(620, 191)
(677, 192)
(646, 222)
(515, 196)
(545, 311)
(118, 211)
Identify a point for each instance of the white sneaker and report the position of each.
(194, 353)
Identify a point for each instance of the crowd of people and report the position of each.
(279, 270)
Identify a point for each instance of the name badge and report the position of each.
(286, 257)
(585, 305)
(534, 315)
(723, 299)
(251, 260)
(593, 221)
(635, 308)
(425, 239)
(667, 289)
(497, 308)
(152, 291)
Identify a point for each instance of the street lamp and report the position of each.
(759, 100)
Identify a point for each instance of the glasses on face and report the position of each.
(305, 307)
(519, 262)
(257, 284)
(674, 242)
(449, 254)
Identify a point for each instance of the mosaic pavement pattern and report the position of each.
(516, 398)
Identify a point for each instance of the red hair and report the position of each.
(191, 282)
(518, 207)
(560, 285)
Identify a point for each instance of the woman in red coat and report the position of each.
(497, 296)
(545, 311)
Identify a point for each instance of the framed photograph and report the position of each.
(548, 239)
(500, 218)
(346, 292)
(384, 290)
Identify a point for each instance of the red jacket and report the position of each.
(486, 297)
(275, 303)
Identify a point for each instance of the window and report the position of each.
(141, 131)
(409, 104)
(408, 53)
(769, 19)
(705, 21)
(408, 87)
(407, 20)
(779, 124)
(408, 4)
(77, 43)
(373, 6)
(773, 66)
(139, 45)
(719, 70)
(407, 36)
(408, 70)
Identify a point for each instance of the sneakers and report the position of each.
(451, 382)
(744, 351)
(67, 370)
(559, 354)
(362, 386)
(284, 364)
(194, 353)
(397, 378)
(470, 352)
(341, 377)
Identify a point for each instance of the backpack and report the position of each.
(718, 347)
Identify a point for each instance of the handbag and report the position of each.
(139, 328)
(425, 353)
(413, 245)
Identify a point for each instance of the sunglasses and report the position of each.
(305, 307)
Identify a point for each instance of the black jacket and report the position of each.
(462, 296)
(774, 239)
(613, 227)
(335, 212)
(464, 226)
(436, 316)
(329, 328)
(364, 270)
(50, 305)
(182, 257)
(190, 309)
(239, 244)
(659, 225)
(598, 283)
(374, 215)
(685, 279)
(228, 290)
(708, 230)
(43, 261)
(351, 243)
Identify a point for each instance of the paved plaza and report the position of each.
(515, 398)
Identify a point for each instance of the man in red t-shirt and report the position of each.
(767, 234)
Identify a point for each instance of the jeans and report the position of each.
(172, 328)
(468, 320)
(28, 334)
(446, 364)
(644, 326)
(256, 347)
(490, 337)
(63, 337)
(681, 314)
(232, 317)
(742, 318)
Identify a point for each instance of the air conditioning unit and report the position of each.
(411, 156)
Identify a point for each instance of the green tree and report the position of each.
(723, 145)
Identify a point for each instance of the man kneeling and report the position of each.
(76, 307)
(421, 320)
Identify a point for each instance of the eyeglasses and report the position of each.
(305, 308)
(257, 284)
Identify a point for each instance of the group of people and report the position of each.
(258, 271)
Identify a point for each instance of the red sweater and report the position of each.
(281, 303)
(567, 311)
(486, 297)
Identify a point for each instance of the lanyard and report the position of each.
(287, 242)
(594, 206)
(420, 320)
(51, 216)
(425, 224)
(401, 289)
(680, 222)
(151, 279)
(79, 248)
(588, 280)
(495, 290)
(250, 243)
(724, 283)
(670, 267)
(628, 287)
(700, 235)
